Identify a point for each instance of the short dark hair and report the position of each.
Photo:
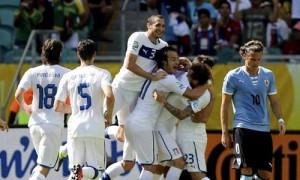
(203, 11)
(86, 49)
(151, 19)
(201, 73)
(162, 55)
(51, 51)
(253, 46)
(225, 2)
(205, 60)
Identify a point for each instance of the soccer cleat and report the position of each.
(76, 172)
(61, 158)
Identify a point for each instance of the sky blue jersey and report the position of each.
(249, 97)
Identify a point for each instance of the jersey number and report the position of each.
(46, 95)
(84, 95)
(255, 99)
(189, 158)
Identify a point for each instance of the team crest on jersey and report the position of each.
(267, 82)
(135, 45)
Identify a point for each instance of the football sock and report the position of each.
(173, 173)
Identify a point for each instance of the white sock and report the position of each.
(90, 172)
(173, 173)
(244, 177)
(114, 170)
(63, 150)
(36, 175)
(146, 175)
(110, 132)
(158, 176)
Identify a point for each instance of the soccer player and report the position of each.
(139, 65)
(88, 87)
(140, 123)
(191, 132)
(248, 88)
(45, 125)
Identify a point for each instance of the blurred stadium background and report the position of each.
(25, 24)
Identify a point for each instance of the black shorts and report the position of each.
(252, 149)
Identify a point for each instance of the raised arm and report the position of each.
(205, 113)
(133, 67)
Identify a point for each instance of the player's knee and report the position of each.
(128, 165)
(247, 171)
(198, 175)
(179, 163)
(263, 175)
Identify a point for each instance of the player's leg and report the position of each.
(95, 158)
(168, 150)
(76, 154)
(120, 167)
(48, 150)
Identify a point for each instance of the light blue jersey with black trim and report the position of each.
(249, 97)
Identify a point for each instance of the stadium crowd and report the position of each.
(192, 26)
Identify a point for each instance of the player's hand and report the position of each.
(159, 75)
(3, 125)
(184, 64)
(27, 109)
(281, 127)
(120, 133)
(159, 97)
(226, 140)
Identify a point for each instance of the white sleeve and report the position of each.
(200, 103)
(106, 79)
(173, 85)
(134, 44)
(62, 91)
(25, 82)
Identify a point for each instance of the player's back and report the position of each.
(84, 87)
(44, 81)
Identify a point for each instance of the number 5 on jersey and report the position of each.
(81, 88)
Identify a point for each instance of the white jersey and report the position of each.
(84, 87)
(189, 129)
(140, 45)
(44, 81)
(147, 109)
(166, 121)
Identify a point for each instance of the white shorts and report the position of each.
(125, 102)
(46, 139)
(192, 142)
(143, 143)
(168, 149)
(86, 152)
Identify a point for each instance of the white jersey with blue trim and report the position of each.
(140, 45)
(166, 121)
(84, 85)
(249, 97)
(44, 81)
(147, 110)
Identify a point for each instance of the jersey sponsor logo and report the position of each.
(148, 53)
(135, 45)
